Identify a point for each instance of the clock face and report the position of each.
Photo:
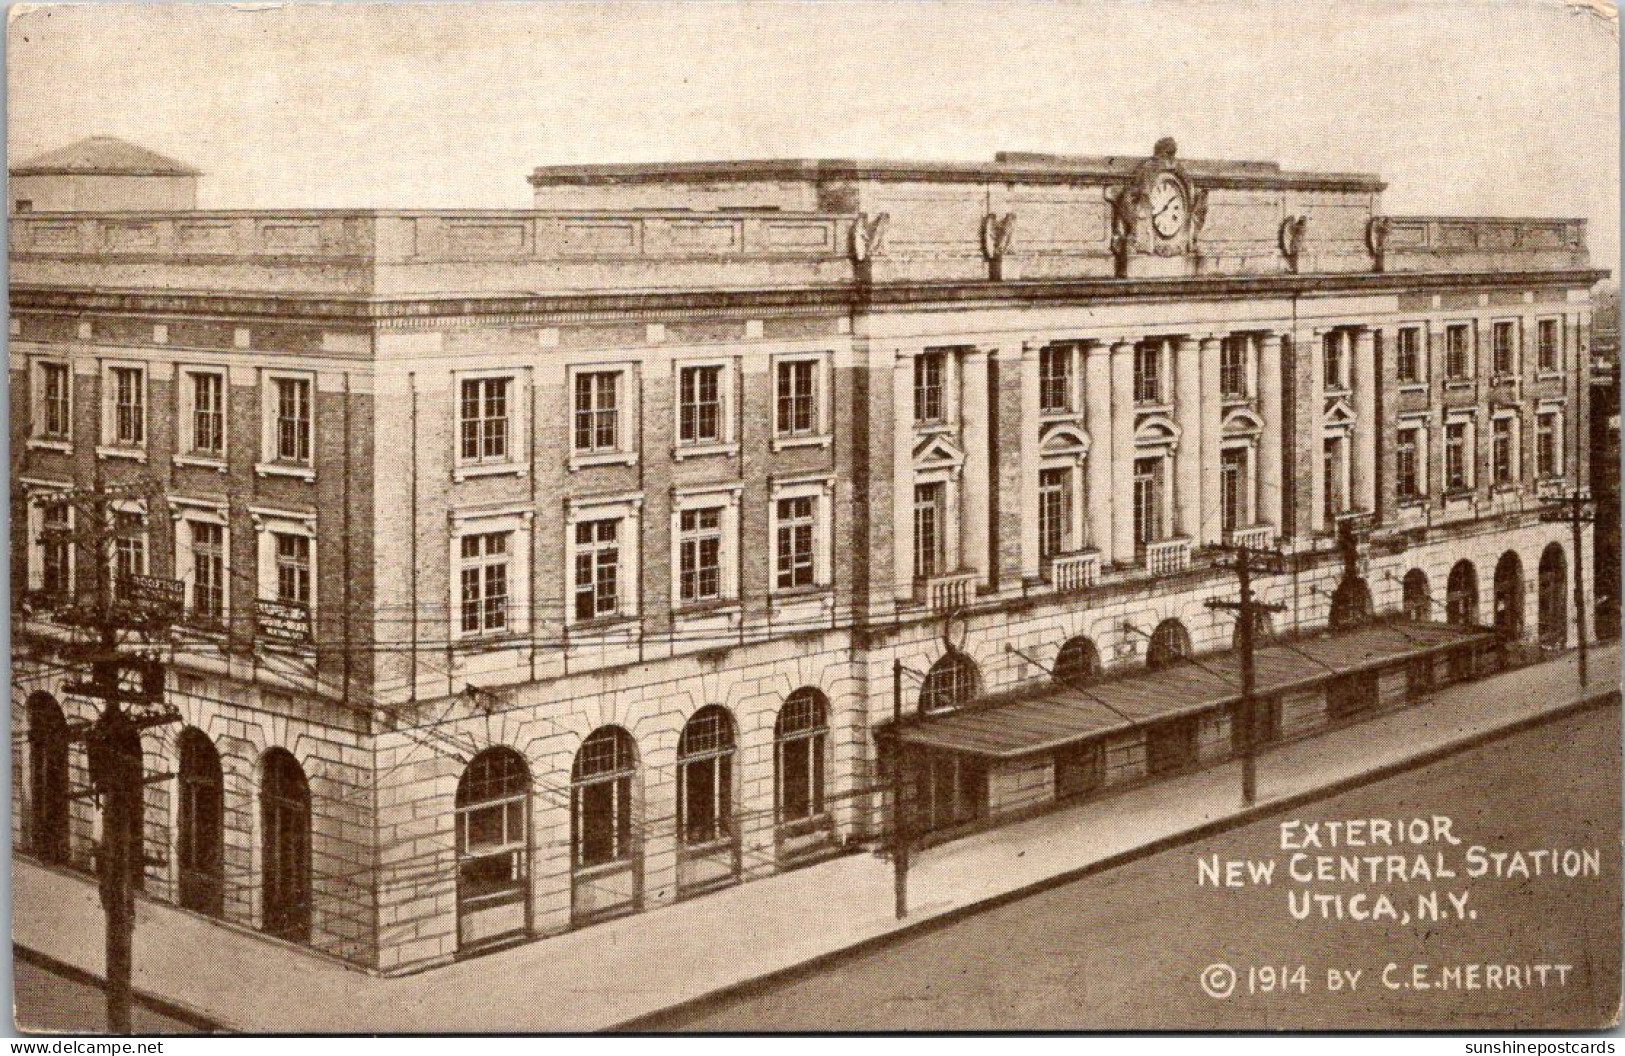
(1168, 209)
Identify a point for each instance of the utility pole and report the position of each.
(1246, 561)
(113, 741)
(1575, 507)
(899, 807)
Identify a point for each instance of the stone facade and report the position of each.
(745, 459)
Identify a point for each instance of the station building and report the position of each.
(545, 565)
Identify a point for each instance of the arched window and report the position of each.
(48, 778)
(1554, 597)
(799, 737)
(606, 878)
(493, 849)
(1351, 604)
(1263, 630)
(285, 846)
(952, 681)
(1509, 595)
(1169, 642)
(1461, 594)
(200, 834)
(705, 755)
(1417, 603)
(1077, 662)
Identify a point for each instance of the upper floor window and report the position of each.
(205, 413)
(597, 411)
(290, 423)
(53, 421)
(795, 542)
(1334, 354)
(1549, 444)
(292, 554)
(1410, 463)
(700, 555)
(1234, 492)
(797, 397)
(700, 405)
(1335, 468)
(1504, 449)
(1550, 345)
(930, 539)
(1408, 355)
(1457, 456)
(1148, 372)
(1150, 502)
(597, 569)
(484, 581)
(1235, 356)
(125, 421)
(55, 549)
(930, 387)
(129, 549)
(208, 571)
(1458, 352)
(1054, 512)
(1505, 347)
(484, 419)
(1055, 384)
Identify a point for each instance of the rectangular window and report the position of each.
(483, 420)
(1455, 457)
(129, 549)
(930, 376)
(798, 398)
(483, 569)
(1233, 488)
(1332, 348)
(598, 565)
(1336, 500)
(55, 379)
(1055, 379)
(699, 554)
(699, 405)
(1054, 512)
(208, 571)
(1548, 445)
(208, 413)
(1505, 347)
(596, 412)
(1502, 450)
(928, 530)
(129, 406)
(1234, 357)
(1457, 353)
(1408, 355)
(1550, 360)
(56, 551)
(293, 422)
(292, 569)
(1148, 372)
(1407, 464)
(797, 521)
(1148, 503)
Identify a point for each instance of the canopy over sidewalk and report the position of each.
(1055, 714)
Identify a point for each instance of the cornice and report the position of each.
(382, 310)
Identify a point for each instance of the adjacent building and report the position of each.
(551, 564)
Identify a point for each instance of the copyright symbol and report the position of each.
(1218, 981)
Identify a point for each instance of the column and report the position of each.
(1122, 451)
(1210, 521)
(1097, 396)
(1271, 486)
(1030, 353)
(903, 474)
(1188, 459)
(975, 485)
(1367, 428)
(1314, 436)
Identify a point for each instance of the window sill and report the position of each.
(133, 454)
(601, 625)
(47, 444)
(1458, 384)
(934, 427)
(491, 469)
(1464, 494)
(1059, 414)
(1331, 391)
(694, 610)
(685, 451)
(470, 642)
(1414, 386)
(782, 443)
(200, 462)
(1234, 399)
(585, 460)
(1413, 502)
(1157, 406)
(1504, 379)
(282, 469)
(1506, 488)
(1551, 375)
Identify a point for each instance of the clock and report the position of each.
(1169, 210)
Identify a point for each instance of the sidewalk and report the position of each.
(616, 972)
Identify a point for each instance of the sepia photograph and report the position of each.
(854, 517)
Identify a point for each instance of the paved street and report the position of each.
(1126, 949)
(51, 1002)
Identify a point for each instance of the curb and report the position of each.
(645, 1023)
(167, 1009)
